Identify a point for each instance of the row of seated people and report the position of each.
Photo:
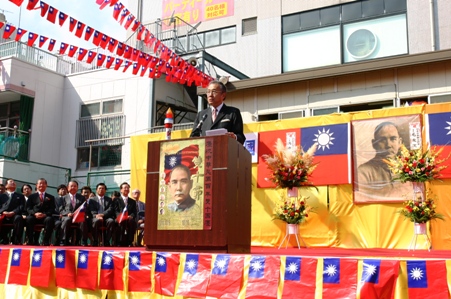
(101, 221)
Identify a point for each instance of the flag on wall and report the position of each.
(65, 268)
(427, 279)
(139, 271)
(439, 135)
(111, 271)
(184, 156)
(333, 144)
(196, 273)
(299, 277)
(266, 142)
(4, 258)
(263, 276)
(87, 269)
(378, 278)
(226, 276)
(41, 267)
(339, 278)
(19, 266)
(166, 271)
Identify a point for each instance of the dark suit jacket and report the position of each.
(228, 118)
(66, 207)
(120, 205)
(16, 204)
(92, 208)
(34, 204)
(108, 210)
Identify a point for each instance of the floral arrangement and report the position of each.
(290, 167)
(416, 165)
(421, 211)
(293, 210)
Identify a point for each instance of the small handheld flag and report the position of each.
(79, 214)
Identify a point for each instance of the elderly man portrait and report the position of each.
(375, 179)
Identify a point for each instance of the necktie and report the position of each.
(72, 201)
(101, 206)
(213, 114)
(41, 196)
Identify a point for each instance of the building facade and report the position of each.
(302, 59)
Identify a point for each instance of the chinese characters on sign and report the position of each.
(194, 11)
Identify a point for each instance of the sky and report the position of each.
(86, 11)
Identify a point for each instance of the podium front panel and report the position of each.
(230, 200)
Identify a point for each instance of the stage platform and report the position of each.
(267, 272)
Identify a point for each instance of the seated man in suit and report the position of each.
(11, 211)
(107, 212)
(218, 115)
(92, 209)
(40, 207)
(127, 226)
(62, 191)
(71, 202)
(140, 210)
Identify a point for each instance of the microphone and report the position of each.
(199, 125)
(196, 132)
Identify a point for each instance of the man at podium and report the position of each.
(218, 115)
(180, 185)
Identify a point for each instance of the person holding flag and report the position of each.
(125, 217)
(70, 204)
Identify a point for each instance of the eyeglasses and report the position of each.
(214, 92)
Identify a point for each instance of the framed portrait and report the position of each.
(374, 141)
(181, 187)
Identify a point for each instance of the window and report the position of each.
(291, 114)
(249, 26)
(102, 156)
(212, 38)
(355, 31)
(324, 111)
(10, 114)
(102, 121)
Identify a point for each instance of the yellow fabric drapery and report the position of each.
(338, 221)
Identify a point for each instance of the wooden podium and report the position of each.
(230, 201)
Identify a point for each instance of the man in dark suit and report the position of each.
(127, 228)
(140, 215)
(11, 212)
(218, 115)
(40, 207)
(62, 191)
(107, 212)
(92, 209)
(71, 202)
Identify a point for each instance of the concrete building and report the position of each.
(297, 58)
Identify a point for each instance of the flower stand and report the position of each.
(292, 229)
(419, 229)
